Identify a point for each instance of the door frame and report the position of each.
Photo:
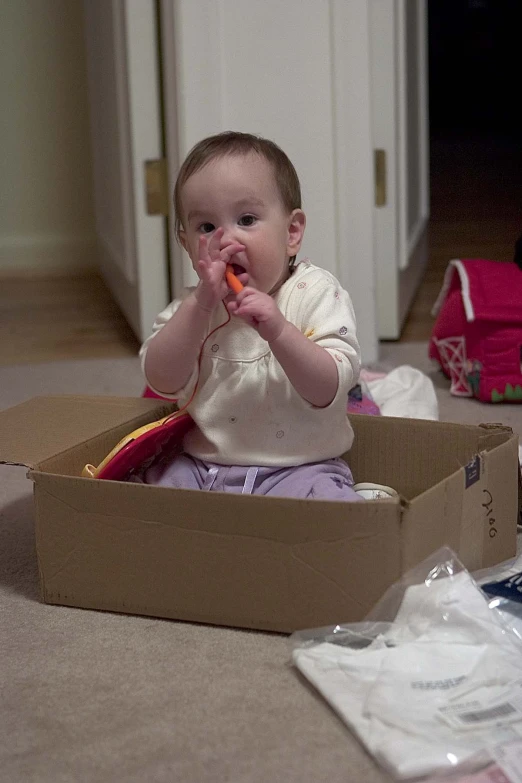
(125, 114)
(400, 252)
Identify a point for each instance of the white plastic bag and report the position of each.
(430, 681)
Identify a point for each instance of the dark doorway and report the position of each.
(475, 140)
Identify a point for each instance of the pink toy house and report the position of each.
(477, 337)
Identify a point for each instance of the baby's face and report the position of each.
(240, 195)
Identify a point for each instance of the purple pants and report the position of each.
(330, 480)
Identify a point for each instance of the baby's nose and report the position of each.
(230, 237)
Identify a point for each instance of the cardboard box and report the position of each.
(267, 563)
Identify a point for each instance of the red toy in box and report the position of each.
(477, 337)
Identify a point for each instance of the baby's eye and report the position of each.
(247, 220)
(206, 228)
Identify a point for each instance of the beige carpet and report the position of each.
(457, 409)
(89, 697)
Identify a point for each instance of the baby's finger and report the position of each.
(231, 250)
(249, 310)
(214, 247)
(202, 269)
(246, 293)
(203, 248)
(232, 306)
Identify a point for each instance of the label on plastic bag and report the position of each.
(509, 758)
(477, 713)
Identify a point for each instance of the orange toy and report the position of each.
(235, 284)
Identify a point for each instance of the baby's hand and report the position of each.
(260, 311)
(211, 268)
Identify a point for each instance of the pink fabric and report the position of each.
(495, 290)
(481, 353)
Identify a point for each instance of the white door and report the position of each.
(297, 73)
(126, 129)
(361, 86)
(399, 87)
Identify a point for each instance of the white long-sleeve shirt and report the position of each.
(246, 410)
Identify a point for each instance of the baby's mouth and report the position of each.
(241, 273)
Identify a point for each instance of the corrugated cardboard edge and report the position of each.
(505, 428)
(46, 426)
(520, 494)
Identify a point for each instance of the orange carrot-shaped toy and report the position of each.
(235, 284)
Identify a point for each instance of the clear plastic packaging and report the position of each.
(503, 590)
(431, 682)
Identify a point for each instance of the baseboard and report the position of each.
(48, 256)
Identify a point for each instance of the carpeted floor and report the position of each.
(457, 409)
(103, 698)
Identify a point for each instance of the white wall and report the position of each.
(46, 214)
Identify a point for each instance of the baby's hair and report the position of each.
(235, 143)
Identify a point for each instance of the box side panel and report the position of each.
(474, 512)
(360, 567)
(37, 517)
(413, 455)
(223, 559)
(432, 520)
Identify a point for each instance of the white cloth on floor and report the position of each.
(448, 649)
(405, 392)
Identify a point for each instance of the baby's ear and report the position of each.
(296, 227)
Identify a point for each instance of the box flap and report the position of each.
(45, 426)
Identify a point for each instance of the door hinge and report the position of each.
(379, 157)
(157, 186)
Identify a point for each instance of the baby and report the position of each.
(268, 391)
